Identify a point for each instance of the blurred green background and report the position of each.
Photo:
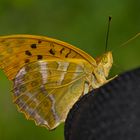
(82, 23)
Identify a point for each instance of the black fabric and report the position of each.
(110, 113)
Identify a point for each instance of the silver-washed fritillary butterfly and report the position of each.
(49, 75)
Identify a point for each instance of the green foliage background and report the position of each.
(82, 23)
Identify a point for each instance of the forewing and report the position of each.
(46, 90)
(18, 50)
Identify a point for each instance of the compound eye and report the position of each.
(104, 59)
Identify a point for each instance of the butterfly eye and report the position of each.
(104, 59)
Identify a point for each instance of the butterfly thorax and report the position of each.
(101, 71)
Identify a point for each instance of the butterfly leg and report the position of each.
(111, 78)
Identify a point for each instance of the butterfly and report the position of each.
(49, 75)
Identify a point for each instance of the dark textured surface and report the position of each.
(111, 113)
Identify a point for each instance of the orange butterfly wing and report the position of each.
(18, 50)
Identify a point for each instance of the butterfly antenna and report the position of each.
(131, 39)
(107, 34)
(128, 41)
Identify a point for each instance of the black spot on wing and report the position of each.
(68, 54)
(61, 51)
(39, 57)
(27, 60)
(52, 51)
(33, 46)
(28, 53)
(39, 41)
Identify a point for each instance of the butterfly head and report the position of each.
(105, 61)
